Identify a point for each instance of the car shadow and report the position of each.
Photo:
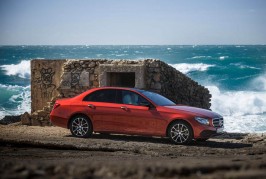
(220, 144)
(132, 138)
(129, 138)
(164, 140)
(236, 136)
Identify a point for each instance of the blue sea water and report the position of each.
(235, 75)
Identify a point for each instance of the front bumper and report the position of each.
(211, 133)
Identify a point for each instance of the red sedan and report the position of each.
(134, 111)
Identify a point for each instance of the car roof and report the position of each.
(123, 88)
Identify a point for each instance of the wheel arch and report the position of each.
(178, 120)
(78, 114)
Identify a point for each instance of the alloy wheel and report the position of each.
(80, 127)
(180, 133)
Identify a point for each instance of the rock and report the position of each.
(42, 113)
(92, 64)
(95, 83)
(154, 64)
(10, 119)
(36, 122)
(157, 86)
(25, 119)
(156, 77)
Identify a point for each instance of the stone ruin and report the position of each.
(54, 79)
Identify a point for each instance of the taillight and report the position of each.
(56, 105)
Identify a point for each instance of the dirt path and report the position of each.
(41, 152)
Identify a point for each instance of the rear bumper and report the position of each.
(58, 121)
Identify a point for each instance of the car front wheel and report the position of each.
(180, 132)
(80, 126)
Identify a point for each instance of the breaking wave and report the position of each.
(189, 67)
(14, 95)
(243, 111)
(21, 69)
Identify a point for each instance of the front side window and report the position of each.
(106, 95)
(157, 99)
(129, 97)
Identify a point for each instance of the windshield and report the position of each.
(157, 99)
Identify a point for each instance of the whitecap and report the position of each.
(242, 66)
(188, 67)
(201, 56)
(251, 67)
(223, 57)
(120, 55)
(21, 69)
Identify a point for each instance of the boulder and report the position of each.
(25, 119)
(9, 120)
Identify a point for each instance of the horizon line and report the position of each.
(130, 44)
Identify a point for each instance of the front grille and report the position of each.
(218, 122)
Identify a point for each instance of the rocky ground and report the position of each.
(51, 152)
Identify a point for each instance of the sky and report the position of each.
(132, 22)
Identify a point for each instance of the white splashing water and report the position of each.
(188, 67)
(243, 111)
(21, 69)
(14, 95)
(259, 83)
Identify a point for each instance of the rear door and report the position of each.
(102, 109)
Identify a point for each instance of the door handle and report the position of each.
(91, 106)
(124, 108)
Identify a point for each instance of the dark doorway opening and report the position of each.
(121, 79)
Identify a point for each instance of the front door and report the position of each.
(136, 117)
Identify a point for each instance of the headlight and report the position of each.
(202, 120)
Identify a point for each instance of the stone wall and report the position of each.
(181, 89)
(53, 79)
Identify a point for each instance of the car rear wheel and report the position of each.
(80, 126)
(180, 132)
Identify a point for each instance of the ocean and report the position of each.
(234, 74)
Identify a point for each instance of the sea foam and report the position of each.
(259, 83)
(188, 67)
(243, 111)
(21, 69)
(16, 96)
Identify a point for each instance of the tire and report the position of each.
(180, 132)
(80, 126)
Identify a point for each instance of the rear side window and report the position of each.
(107, 96)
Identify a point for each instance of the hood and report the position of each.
(196, 111)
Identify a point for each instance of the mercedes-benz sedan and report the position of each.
(134, 111)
